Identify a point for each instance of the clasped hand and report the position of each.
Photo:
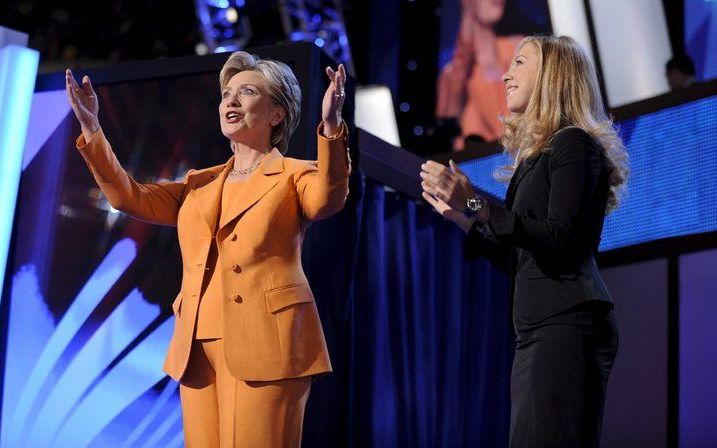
(447, 190)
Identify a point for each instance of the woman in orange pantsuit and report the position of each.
(247, 337)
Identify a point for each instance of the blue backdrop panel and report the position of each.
(698, 353)
(673, 179)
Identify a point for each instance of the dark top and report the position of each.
(548, 233)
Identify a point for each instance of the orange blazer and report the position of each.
(271, 325)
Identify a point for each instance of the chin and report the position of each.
(231, 132)
(517, 108)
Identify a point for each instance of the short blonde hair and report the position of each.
(282, 86)
(565, 94)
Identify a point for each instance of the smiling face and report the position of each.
(520, 78)
(247, 113)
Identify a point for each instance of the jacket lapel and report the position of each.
(519, 174)
(209, 195)
(263, 180)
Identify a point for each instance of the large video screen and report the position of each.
(89, 318)
(477, 42)
(90, 289)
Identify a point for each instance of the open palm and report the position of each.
(83, 101)
(334, 97)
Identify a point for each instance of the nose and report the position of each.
(233, 100)
(507, 76)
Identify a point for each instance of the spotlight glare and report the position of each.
(232, 15)
(201, 49)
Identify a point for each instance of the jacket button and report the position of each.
(233, 237)
(237, 298)
(236, 268)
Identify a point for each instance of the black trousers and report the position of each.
(559, 379)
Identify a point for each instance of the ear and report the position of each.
(279, 115)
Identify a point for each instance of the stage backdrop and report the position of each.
(419, 337)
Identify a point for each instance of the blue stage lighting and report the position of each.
(18, 69)
(16, 421)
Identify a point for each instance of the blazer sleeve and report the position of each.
(575, 166)
(480, 241)
(322, 188)
(152, 202)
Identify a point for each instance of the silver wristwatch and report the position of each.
(474, 205)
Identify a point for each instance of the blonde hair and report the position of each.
(282, 86)
(565, 94)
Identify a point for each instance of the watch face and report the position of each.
(474, 204)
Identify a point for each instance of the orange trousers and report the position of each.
(220, 411)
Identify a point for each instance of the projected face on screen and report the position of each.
(478, 41)
(486, 12)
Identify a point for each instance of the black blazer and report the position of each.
(548, 233)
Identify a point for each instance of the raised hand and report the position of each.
(84, 103)
(333, 100)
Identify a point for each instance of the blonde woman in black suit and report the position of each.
(570, 167)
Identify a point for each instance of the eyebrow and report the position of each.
(246, 84)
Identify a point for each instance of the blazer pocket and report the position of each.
(280, 298)
(177, 305)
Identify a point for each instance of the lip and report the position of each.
(233, 116)
(510, 89)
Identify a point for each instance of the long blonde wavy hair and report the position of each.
(565, 94)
